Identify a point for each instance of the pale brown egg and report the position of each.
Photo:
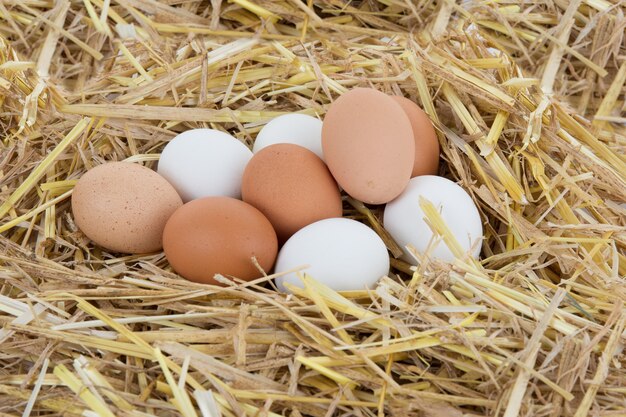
(123, 207)
(219, 235)
(291, 186)
(426, 143)
(368, 145)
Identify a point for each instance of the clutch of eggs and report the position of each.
(377, 148)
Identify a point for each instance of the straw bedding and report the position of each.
(528, 102)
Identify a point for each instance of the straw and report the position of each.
(527, 99)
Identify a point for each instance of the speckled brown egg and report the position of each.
(123, 207)
(291, 186)
(219, 235)
(368, 145)
(426, 143)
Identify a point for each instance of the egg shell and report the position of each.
(292, 187)
(404, 218)
(295, 128)
(426, 142)
(368, 145)
(219, 235)
(204, 162)
(342, 254)
(123, 207)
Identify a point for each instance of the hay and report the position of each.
(528, 101)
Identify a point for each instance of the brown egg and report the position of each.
(123, 207)
(426, 143)
(219, 235)
(368, 145)
(291, 186)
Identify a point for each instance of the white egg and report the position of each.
(203, 163)
(295, 128)
(342, 254)
(405, 220)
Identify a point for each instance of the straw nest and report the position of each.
(528, 101)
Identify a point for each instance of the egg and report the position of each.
(299, 129)
(405, 221)
(426, 142)
(368, 145)
(123, 207)
(342, 254)
(291, 186)
(204, 162)
(219, 235)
